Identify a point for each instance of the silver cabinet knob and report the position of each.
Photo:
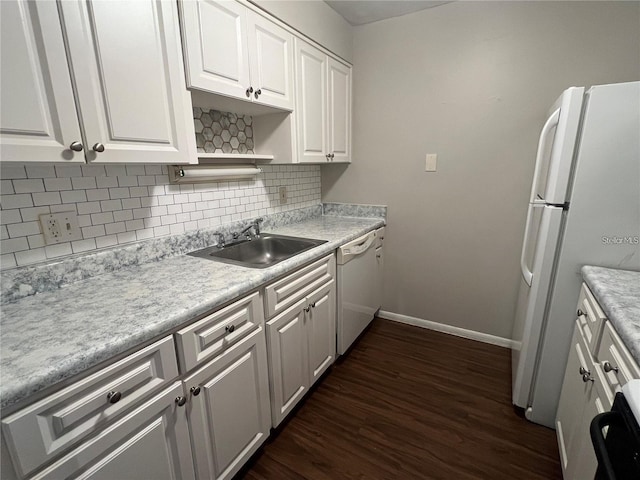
(584, 371)
(98, 147)
(230, 328)
(332, 155)
(76, 146)
(313, 305)
(587, 378)
(181, 401)
(249, 91)
(307, 308)
(114, 397)
(609, 368)
(258, 93)
(195, 391)
(580, 313)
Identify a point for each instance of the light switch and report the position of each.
(431, 162)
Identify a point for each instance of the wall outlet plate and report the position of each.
(60, 227)
(283, 195)
(431, 162)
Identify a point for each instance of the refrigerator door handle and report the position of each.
(551, 122)
(526, 273)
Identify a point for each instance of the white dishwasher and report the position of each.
(359, 288)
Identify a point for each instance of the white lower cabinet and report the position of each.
(139, 418)
(301, 346)
(580, 401)
(599, 365)
(321, 330)
(229, 408)
(152, 441)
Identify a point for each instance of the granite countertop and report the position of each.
(51, 336)
(618, 293)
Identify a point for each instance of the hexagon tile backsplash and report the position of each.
(223, 132)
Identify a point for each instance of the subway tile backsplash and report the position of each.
(120, 204)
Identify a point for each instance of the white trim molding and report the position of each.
(451, 330)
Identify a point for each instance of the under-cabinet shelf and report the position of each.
(234, 156)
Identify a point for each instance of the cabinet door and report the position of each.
(583, 464)
(339, 111)
(270, 62)
(216, 54)
(38, 120)
(572, 400)
(311, 106)
(321, 330)
(127, 64)
(229, 417)
(150, 442)
(288, 363)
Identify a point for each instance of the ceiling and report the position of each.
(359, 12)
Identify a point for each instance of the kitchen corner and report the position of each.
(141, 292)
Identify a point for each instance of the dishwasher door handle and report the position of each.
(364, 246)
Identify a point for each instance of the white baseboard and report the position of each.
(441, 327)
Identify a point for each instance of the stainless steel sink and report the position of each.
(261, 252)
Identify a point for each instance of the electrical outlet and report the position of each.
(283, 195)
(60, 227)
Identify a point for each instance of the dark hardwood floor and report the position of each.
(411, 403)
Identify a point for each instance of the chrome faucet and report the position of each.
(220, 239)
(245, 231)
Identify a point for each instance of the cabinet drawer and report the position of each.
(284, 293)
(150, 442)
(614, 357)
(40, 432)
(208, 337)
(590, 318)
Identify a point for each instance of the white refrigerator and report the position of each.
(584, 209)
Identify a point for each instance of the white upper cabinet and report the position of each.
(270, 62)
(233, 51)
(311, 109)
(339, 111)
(323, 106)
(38, 120)
(125, 64)
(216, 53)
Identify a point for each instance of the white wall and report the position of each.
(316, 20)
(470, 81)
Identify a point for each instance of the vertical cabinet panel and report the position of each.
(288, 363)
(229, 417)
(339, 111)
(38, 119)
(311, 107)
(127, 62)
(321, 324)
(271, 62)
(569, 410)
(150, 442)
(216, 52)
(584, 462)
